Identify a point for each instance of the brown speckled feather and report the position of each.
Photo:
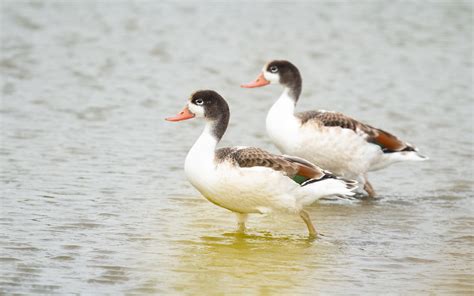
(388, 142)
(256, 157)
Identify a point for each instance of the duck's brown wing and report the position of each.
(387, 142)
(256, 157)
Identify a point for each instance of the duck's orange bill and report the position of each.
(183, 115)
(260, 81)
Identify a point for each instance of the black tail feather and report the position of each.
(350, 184)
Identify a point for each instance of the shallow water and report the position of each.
(94, 198)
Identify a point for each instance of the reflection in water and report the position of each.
(251, 263)
(93, 194)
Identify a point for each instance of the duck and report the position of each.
(331, 140)
(250, 180)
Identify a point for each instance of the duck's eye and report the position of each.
(199, 102)
(273, 69)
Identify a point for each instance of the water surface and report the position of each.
(93, 194)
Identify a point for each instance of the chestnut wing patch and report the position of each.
(387, 142)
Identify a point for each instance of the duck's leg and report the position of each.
(306, 218)
(241, 219)
(368, 187)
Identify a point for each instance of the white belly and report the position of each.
(246, 190)
(338, 150)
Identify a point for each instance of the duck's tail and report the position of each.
(394, 157)
(408, 155)
(328, 186)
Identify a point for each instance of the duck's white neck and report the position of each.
(284, 107)
(281, 122)
(205, 145)
(200, 159)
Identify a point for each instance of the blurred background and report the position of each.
(93, 193)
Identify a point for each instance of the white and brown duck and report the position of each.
(248, 180)
(331, 140)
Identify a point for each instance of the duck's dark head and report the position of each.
(279, 72)
(209, 105)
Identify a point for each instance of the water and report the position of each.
(94, 198)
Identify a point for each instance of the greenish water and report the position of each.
(93, 195)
